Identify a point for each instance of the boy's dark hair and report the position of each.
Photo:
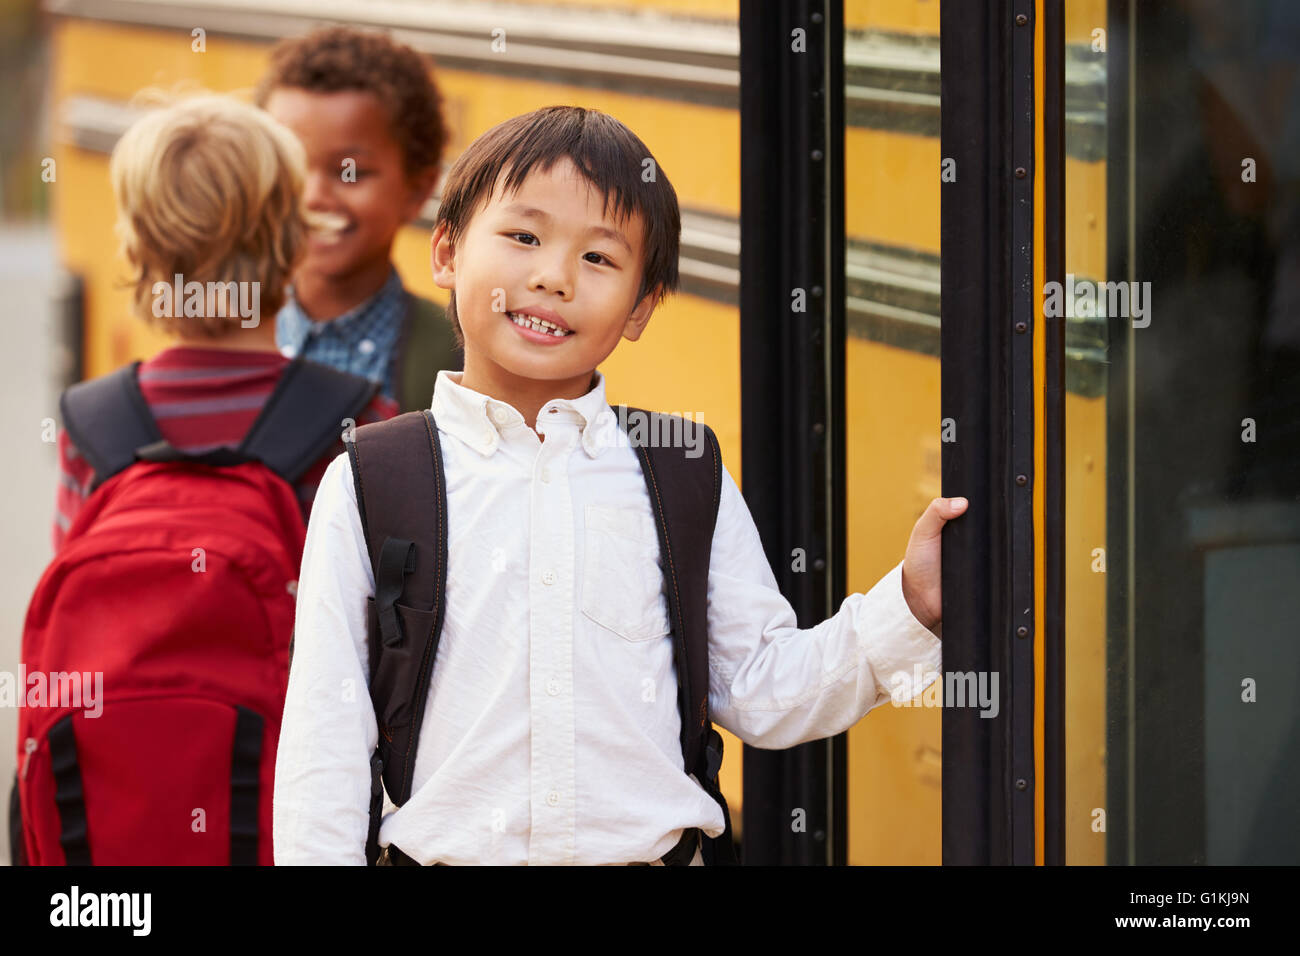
(606, 152)
(334, 59)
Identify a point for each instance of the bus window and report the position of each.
(1183, 461)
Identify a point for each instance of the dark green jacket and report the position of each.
(426, 346)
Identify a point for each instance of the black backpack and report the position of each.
(397, 468)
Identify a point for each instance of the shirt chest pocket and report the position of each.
(623, 583)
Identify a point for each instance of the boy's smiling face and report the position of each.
(552, 249)
(348, 131)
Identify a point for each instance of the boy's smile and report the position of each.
(546, 283)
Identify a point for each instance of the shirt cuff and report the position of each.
(904, 655)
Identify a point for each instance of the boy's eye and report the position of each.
(601, 256)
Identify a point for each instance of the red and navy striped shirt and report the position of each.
(202, 399)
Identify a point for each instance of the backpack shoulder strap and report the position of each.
(427, 346)
(107, 419)
(402, 499)
(307, 412)
(684, 494)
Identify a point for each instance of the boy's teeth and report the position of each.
(329, 223)
(536, 324)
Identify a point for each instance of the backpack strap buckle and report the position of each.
(396, 562)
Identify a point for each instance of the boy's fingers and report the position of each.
(941, 510)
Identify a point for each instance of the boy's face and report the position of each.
(549, 247)
(355, 173)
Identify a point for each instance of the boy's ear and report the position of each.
(640, 317)
(441, 258)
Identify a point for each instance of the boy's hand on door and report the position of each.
(922, 581)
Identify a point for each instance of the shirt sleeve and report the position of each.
(322, 772)
(774, 685)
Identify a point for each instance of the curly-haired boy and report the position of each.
(369, 115)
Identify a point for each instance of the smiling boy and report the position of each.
(369, 115)
(551, 732)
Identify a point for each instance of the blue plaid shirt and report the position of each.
(360, 341)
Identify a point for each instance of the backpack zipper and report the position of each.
(29, 746)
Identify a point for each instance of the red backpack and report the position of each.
(160, 632)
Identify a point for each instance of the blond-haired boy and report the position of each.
(185, 481)
(210, 218)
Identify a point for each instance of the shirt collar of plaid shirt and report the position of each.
(479, 420)
(369, 320)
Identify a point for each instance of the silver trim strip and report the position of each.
(892, 294)
(891, 80)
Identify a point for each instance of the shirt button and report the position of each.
(365, 346)
(546, 476)
(548, 577)
(553, 798)
(553, 687)
(500, 415)
(292, 587)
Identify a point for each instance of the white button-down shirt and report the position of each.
(551, 731)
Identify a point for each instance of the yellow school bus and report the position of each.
(675, 72)
(668, 70)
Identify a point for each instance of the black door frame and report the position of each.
(987, 334)
(792, 380)
(1053, 172)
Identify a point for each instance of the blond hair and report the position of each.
(208, 188)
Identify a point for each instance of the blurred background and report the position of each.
(34, 291)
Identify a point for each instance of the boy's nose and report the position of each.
(552, 276)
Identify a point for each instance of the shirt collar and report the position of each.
(479, 420)
(367, 320)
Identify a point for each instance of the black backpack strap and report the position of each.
(107, 419)
(427, 345)
(402, 500)
(305, 416)
(109, 422)
(69, 795)
(163, 450)
(684, 495)
(17, 844)
(245, 786)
